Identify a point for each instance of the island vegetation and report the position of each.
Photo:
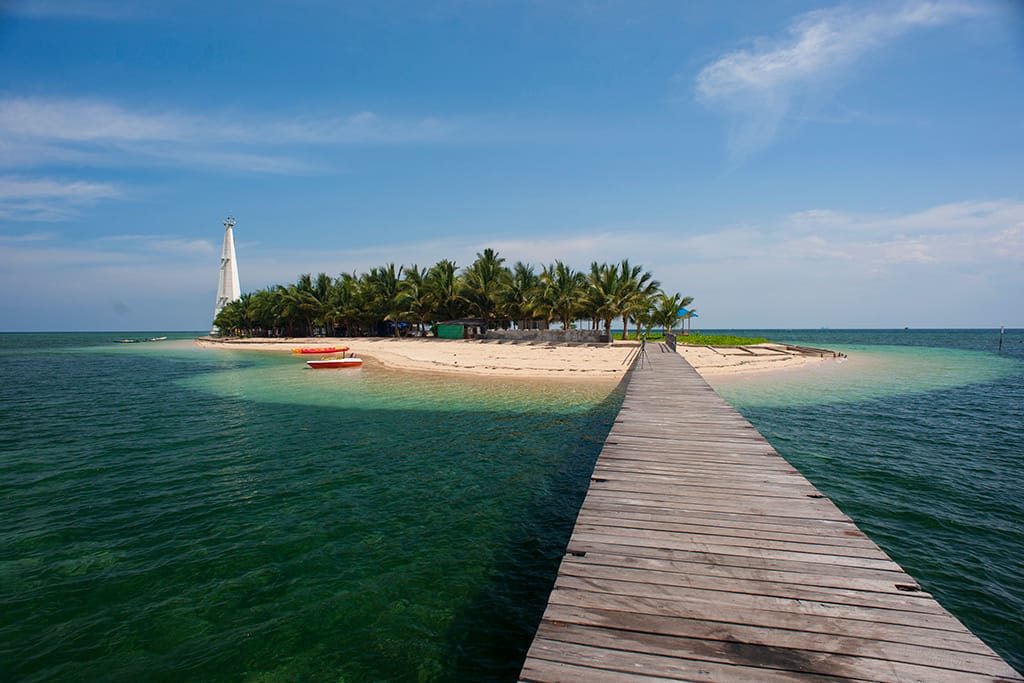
(396, 300)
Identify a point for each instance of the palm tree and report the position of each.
(346, 302)
(604, 293)
(516, 298)
(263, 310)
(414, 296)
(231, 319)
(637, 286)
(382, 294)
(321, 290)
(483, 282)
(666, 309)
(298, 305)
(443, 284)
(560, 293)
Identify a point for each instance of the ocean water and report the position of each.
(176, 513)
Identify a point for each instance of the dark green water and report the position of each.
(173, 513)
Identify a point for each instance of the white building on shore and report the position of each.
(227, 284)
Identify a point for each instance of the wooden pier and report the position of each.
(701, 555)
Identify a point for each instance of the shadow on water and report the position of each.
(488, 641)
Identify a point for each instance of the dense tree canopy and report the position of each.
(393, 300)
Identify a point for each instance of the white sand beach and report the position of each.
(534, 361)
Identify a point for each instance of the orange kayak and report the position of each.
(322, 350)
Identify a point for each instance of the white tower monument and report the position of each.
(227, 285)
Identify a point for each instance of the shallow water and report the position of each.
(181, 513)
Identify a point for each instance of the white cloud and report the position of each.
(758, 86)
(45, 199)
(81, 120)
(982, 222)
(36, 131)
(77, 191)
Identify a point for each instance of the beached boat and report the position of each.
(321, 350)
(157, 339)
(325, 363)
(127, 341)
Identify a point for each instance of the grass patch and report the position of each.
(698, 339)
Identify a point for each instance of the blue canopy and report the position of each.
(683, 313)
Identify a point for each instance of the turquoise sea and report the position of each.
(176, 513)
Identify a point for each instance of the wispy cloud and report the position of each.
(38, 130)
(961, 233)
(46, 199)
(104, 136)
(759, 86)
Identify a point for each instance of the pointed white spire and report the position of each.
(227, 285)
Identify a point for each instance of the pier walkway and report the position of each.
(700, 554)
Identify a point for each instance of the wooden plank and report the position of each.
(653, 610)
(701, 555)
(670, 535)
(697, 629)
(775, 658)
(662, 667)
(840, 533)
(772, 564)
(871, 581)
(762, 584)
(796, 603)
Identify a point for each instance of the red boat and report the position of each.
(322, 350)
(350, 362)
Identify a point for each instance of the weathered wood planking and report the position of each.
(701, 555)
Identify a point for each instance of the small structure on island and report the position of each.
(687, 317)
(466, 328)
(227, 284)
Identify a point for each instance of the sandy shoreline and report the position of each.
(533, 361)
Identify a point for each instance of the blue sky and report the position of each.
(788, 164)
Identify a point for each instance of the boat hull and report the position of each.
(334, 363)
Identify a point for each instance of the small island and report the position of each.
(512, 322)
